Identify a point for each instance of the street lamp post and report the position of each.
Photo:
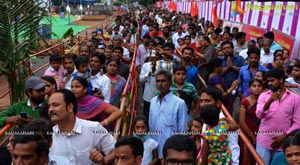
(50, 12)
(80, 8)
(68, 9)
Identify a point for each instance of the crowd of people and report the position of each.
(69, 114)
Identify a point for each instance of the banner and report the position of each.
(232, 24)
(285, 40)
(253, 32)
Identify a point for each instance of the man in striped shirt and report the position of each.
(184, 89)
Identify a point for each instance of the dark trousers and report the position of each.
(146, 109)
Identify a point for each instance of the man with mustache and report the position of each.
(249, 71)
(168, 113)
(279, 111)
(231, 68)
(191, 69)
(35, 92)
(78, 140)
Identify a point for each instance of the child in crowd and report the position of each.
(294, 82)
(180, 87)
(248, 120)
(291, 150)
(260, 75)
(215, 140)
(56, 69)
(294, 61)
(196, 130)
(81, 64)
(286, 57)
(140, 130)
(220, 54)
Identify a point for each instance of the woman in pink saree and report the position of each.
(91, 107)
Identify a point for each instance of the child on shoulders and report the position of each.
(81, 64)
(56, 70)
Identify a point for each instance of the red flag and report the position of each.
(174, 6)
(215, 16)
(194, 9)
(170, 5)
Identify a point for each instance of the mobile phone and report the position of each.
(23, 115)
(153, 52)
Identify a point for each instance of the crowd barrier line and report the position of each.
(7, 127)
(128, 102)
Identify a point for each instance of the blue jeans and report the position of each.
(266, 154)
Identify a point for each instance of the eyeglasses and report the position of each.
(182, 162)
(47, 85)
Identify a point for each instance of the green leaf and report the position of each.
(68, 33)
(19, 24)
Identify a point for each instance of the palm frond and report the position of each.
(68, 33)
(19, 24)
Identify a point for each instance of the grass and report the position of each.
(60, 26)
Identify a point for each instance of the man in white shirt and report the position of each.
(146, 27)
(78, 140)
(266, 55)
(176, 36)
(241, 43)
(147, 77)
(119, 25)
(251, 44)
(100, 81)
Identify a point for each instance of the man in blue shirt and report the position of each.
(248, 72)
(191, 70)
(232, 64)
(168, 113)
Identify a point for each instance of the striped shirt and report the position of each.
(188, 89)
